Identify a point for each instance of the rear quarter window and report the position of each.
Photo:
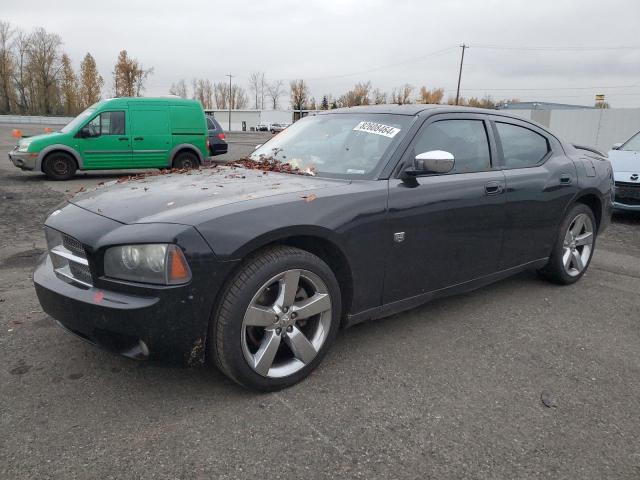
(521, 147)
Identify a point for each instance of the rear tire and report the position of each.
(59, 166)
(276, 320)
(186, 160)
(574, 247)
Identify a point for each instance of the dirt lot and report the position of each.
(448, 390)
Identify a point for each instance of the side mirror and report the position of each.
(433, 161)
(616, 146)
(85, 132)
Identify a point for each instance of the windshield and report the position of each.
(351, 145)
(79, 120)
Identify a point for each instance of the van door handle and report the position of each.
(139, 138)
(123, 138)
(565, 179)
(493, 188)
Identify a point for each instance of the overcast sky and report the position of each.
(335, 43)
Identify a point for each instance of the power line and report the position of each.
(230, 76)
(558, 49)
(390, 65)
(547, 88)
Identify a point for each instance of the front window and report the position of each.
(74, 124)
(107, 123)
(633, 144)
(348, 145)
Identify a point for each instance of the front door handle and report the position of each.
(493, 188)
(139, 138)
(565, 179)
(122, 139)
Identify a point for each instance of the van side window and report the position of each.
(108, 123)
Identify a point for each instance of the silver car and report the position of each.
(625, 160)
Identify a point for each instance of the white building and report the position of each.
(246, 120)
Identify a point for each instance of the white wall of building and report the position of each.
(599, 128)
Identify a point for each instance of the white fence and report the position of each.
(599, 128)
(37, 119)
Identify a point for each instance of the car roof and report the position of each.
(120, 102)
(417, 109)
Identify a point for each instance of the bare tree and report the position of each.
(299, 94)
(179, 88)
(69, 88)
(430, 96)
(44, 62)
(402, 95)
(7, 64)
(128, 76)
(221, 94)
(275, 91)
(378, 97)
(203, 92)
(238, 98)
(91, 82)
(21, 74)
(257, 84)
(358, 95)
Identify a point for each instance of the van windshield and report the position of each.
(79, 120)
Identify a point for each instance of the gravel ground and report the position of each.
(448, 390)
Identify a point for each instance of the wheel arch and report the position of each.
(45, 152)
(592, 200)
(319, 241)
(184, 147)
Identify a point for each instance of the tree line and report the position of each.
(363, 93)
(37, 77)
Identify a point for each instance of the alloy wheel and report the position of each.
(577, 245)
(286, 324)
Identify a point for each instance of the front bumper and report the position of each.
(136, 320)
(167, 324)
(23, 160)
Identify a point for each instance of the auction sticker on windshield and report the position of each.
(377, 129)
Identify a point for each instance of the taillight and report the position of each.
(221, 136)
(208, 144)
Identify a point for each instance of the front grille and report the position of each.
(628, 193)
(69, 259)
(73, 245)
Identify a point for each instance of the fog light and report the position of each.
(143, 348)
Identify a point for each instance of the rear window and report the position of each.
(521, 147)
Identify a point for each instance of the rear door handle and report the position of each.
(493, 188)
(565, 179)
(139, 138)
(123, 138)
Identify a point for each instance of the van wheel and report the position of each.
(59, 166)
(186, 160)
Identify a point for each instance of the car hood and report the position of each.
(176, 197)
(624, 161)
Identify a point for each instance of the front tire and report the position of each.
(59, 166)
(277, 318)
(574, 247)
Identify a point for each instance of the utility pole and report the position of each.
(229, 100)
(463, 46)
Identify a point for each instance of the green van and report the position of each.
(120, 133)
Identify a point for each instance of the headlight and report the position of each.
(151, 263)
(23, 147)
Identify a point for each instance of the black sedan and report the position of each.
(258, 270)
